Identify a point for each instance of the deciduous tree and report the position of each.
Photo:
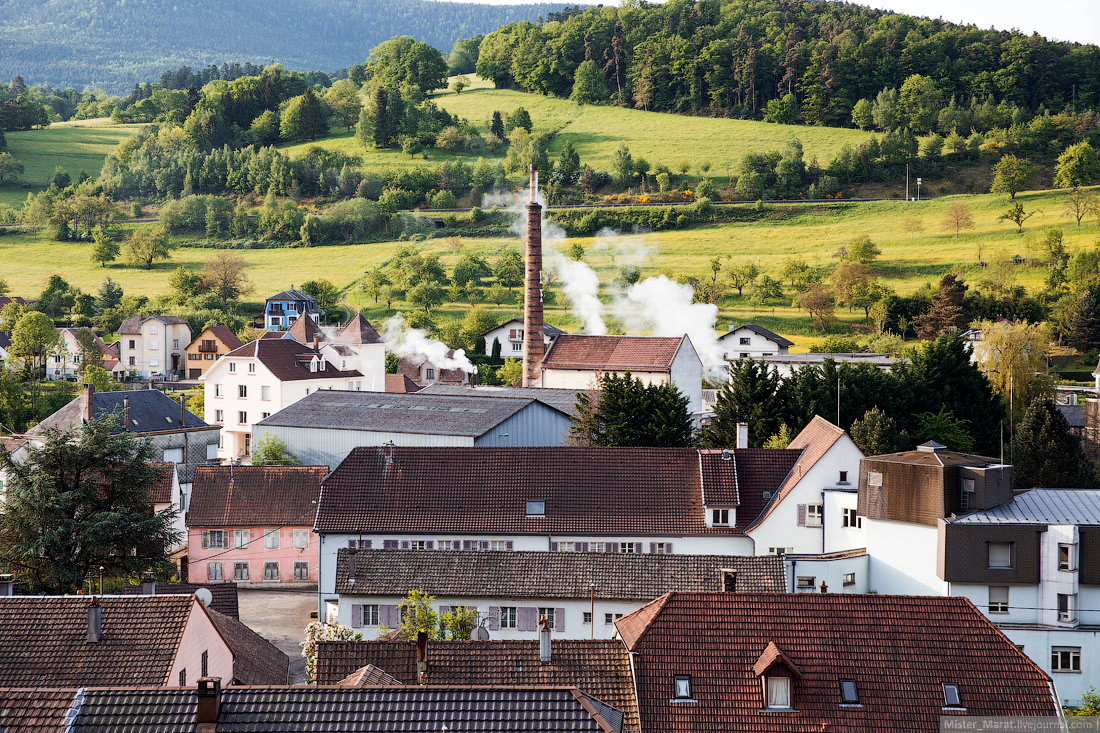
(104, 249)
(224, 275)
(876, 434)
(958, 217)
(1011, 175)
(1015, 213)
(818, 301)
(1077, 166)
(148, 245)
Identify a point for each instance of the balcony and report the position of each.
(208, 347)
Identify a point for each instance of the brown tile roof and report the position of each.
(223, 334)
(133, 323)
(941, 458)
(223, 596)
(44, 640)
(254, 496)
(409, 366)
(743, 480)
(35, 711)
(162, 491)
(370, 676)
(595, 491)
(545, 575)
(256, 661)
(401, 384)
(814, 441)
(612, 353)
(359, 331)
(599, 667)
(898, 649)
(304, 329)
(288, 360)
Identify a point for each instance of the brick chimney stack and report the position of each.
(209, 699)
(533, 346)
(89, 393)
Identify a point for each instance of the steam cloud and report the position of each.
(414, 342)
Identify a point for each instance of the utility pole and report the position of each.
(906, 181)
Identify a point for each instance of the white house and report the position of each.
(260, 378)
(750, 341)
(510, 337)
(153, 345)
(64, 362)
(581, 594)
(358, 347)
(787, 363)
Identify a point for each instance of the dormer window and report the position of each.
(536, 508)
(951, 697)
(720, 517)
(681, 687)
(778, 691)
(313, 364)
(776, 670)
(848, 693)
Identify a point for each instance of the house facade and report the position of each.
(65, 361)
(510, 337)
(421, 370)
(283, 310)
(213, 343)
(152, 347)
(259, 379)
(787, 363)
(252, 524)
(750, 341)
(357, 347)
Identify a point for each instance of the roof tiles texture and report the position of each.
(256, 661)
(288, 360)
(150, 411)
(162, 492)
(223, 596)
(612, 353)
(565, 575)
(743, 480)
(401, 384)
(223, 334)
(370, 676)
(304, 329)
(359, 331)
(34, 711)
(44, 640)
(255, 496)
(599, 667)
(898, 649)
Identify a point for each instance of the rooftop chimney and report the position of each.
(7, 585)
(732, 326)
(824, 588)
(209, 702)
(89, 393)
(95, 621)
(422, 657)
(533, 346)
(183, 410)
(149, 584)
(316, 342)
(742, 435)
(126, 412)
(544, 640)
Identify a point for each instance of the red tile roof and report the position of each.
(744, 479)
(223, 595)
(898, 649)
(612, 353)
(410, 366)
(35, 710)
(304, 329)
(162, 491)
(256, 661)
(255, 496)
(223, 334)
(370, 676)
(401, 384)
(359, 331)
(288, 360)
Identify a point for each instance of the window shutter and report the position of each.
(456, 545)
(652, 548)
(494, 618)
(484, 545)
(801, 515)
(612, 546)
(366, 544)
(638, 546)
(509, 545)
(404, 544)
(443, 610)
(356, 615)
(351, 544)
(430, 544)
(466, 544)
(553, 547)
(530, 618)
(582, 547)
(668, 548)
(390, 616)
(559, 620)
(205, 538)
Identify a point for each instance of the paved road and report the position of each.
(280, 617)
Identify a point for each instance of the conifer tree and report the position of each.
(1046, 454)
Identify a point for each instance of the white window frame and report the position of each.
(566, 546)
(1065, 659)
(418, 545)
(299, 567)
(773, 700)
(370, 614)
(1000, 546)
(549, 614)
(1069, 565)
(219, 416)
(1069, 615)
(268, 566)
(849, 579)
(851, 520)
(232, 366)
(213, 571)
(628, 548)
(265, 392)
(498, 545)
(301, 539)
(218, 391)
(271, 539)
(720, 517)
(242, 538)
(213, 539)
(508, 617)
(596, 547)
(815, 515)
(237, 568)
(443, 545)
(805, 582)
(998, 604)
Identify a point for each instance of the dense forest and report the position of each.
(113, 45)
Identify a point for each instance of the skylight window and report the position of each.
(536, 508)
(682, 687)
(848, 693)
(951, 695)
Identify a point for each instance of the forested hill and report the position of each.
(112, 44)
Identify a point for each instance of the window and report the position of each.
(218, 392)
(729, 581)
(301, 571)
(173, 455)
(154, 345)
(779, 550)
(240, 571)
(1065, 557)
(183, 678)
(301, 539)
(219, 416)
(443, 545)
(1065, 659)
(213, 571)
(271, 539)
(517, 347)
(175, 343)
(720, 517)
(370, 615)
(627, 548)
(209, 357)
(265, 415)
(549, 614)
(1000, 554)
(874, 478)
(814, 515)
(843, 478)
(153, 329)
(1066, 606)
(849, 578)
(565, 547)
(508, 617)
(265, 393)
(271, 571)
(154, 361)
(852, 520)
(429, 374)
(194, 357)
(251, 367)
(998, 599)
(133, 344)
(745, 341)
(213, 538)
(951, 695)
(661, 548)
(418, 545)
(242, 390)
(536, 508)
(131, 361)
(242, 418)
(778, 691)
(241, 538)
(966, 493)
(205, 663)
(806, 582)
(596, 546)
(498, 545)
(610, 618)
(681, 687)
(232, 366)
(587, 617)
(848, 693)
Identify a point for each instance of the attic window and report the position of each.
(951, 695)
(681, 687)
(848, 693)
(778, 691)
(536, 508)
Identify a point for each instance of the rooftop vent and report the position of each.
(931, 447)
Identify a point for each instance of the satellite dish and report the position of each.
(204, 595)
(481, 633)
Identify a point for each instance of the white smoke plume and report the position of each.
(663, 307)
(414, 342)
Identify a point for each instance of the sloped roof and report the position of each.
(547, 329)
(254, 496)
(409, 366)
(44, 640)
(1074, 414)
(304, 329)
(414, 413)
(256, 661)
(132, 324)
(151, 411)
(564, 400)
(223, 334)
(898, 649)
(359, 331)
(99, 342)
(612, 353)
(612, 576)
(759, 331)
(288, 360)
(5, 339)
(35, 710)
(162, 492)
(401, 384)
(937, 458)
(597, 491)
(599, 667)
(370, 676)
(1045, 506)
(293, 295)
(743, 480)
(223, 596)
(813, 442)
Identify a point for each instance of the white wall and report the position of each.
(370, 361)
(1023, 602)
(903, 558)
(154, 346)
(687, 375)
(506, 345)
(758, 345)
(1054, 581)
(200, 635)
(1037, 643)
(832, 571)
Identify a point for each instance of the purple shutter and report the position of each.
(456, 545)
(205, 539)
(559, 620)
(801, 515)
(553, 547)
(351, 544)
(356, 615)
(443, 610)
(530, 618)
(390, 616)
(404, 544)
(668, 548)
(652, 548)
(494, 618)
(430, 544)
(612, 546)
(366, 544)
(465, 544)
(509, 545)
(638, 546)
(584, 547)
(484, 544)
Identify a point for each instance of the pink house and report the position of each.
(254, 524)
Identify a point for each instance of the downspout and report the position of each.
(793, 564)
(823, 522)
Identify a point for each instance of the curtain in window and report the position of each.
(779, 692)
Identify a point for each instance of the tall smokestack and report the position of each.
(533, 346)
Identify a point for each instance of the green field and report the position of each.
(75, 146)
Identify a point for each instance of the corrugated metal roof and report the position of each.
(562, 399)
(1048, 506)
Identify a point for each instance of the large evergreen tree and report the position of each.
(751, 395)
(876, 434)
(1046, 454)
(624, 412)
(948, 309)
